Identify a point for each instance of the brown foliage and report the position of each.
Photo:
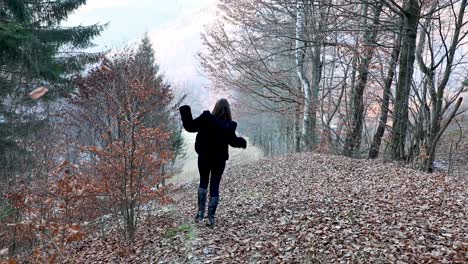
(50, 213)
(111, 161)
(123, 103)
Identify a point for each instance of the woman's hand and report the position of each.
(185, 109)
(242, 142)
(187, 120)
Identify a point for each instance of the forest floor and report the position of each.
(305, 208)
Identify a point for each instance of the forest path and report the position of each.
(311, 208)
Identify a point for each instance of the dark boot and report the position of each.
(201, 204)
(212, 205)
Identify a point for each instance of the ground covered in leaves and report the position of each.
(307, 208)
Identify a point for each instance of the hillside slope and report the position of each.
(308, 208)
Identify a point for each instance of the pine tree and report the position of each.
(34, 42)
(145, 56)
(36, 50)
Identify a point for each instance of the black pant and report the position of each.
(216, 167)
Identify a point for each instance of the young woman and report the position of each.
(216, 131)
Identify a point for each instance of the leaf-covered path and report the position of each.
(311, 208)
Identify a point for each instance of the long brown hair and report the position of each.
(222, 109)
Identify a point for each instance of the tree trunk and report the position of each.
(316, 77)
(429, 158)
(377, 140)
(438, 125)
(297, 128)
(301, 73)
(353, 138)
(405, 75)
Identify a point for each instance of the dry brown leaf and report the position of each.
(105, 68)
(38, 93)
(313, 208)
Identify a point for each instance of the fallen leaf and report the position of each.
(38, 93)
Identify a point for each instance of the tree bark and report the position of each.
(353, 138)
(316, 77)
(405, 75)
(297, 128)
(377, 139)
(432, 148)
(301, 72)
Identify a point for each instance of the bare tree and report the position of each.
(353, 138)
(410, 16)
(435, 106)
(329, 67)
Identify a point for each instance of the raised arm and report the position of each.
(187, 120)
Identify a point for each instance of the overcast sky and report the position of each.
(174, 27)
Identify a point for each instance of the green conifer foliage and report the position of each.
(36, 50)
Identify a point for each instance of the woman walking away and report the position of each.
(216, 131)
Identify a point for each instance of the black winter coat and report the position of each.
(214, 134)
